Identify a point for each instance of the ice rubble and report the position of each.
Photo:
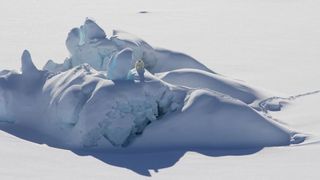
(95, 99)
(80, 106)
(98, 50)
(89, 44)
(120, 65)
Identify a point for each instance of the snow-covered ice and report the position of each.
(93, 100)
(92, 105)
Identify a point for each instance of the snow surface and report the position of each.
(277, 51)
(201, 79)
(86, 106)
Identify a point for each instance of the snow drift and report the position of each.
(96, 100)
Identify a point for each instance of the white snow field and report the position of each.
(87, 115)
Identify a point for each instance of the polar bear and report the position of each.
(139, 66)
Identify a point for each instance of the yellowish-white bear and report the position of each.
(140, 69)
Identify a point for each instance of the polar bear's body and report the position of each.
(140, 69)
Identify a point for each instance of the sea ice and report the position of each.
(95, 100)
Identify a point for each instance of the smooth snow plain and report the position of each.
(196, 165)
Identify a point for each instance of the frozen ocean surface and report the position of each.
(88, 102)
(271, 45)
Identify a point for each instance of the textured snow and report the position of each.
(81, 106)
(102, 52)
(141, 49)
(269, 44)
(89, 44)
(100, 99)
(120, 65)
(195, 78)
